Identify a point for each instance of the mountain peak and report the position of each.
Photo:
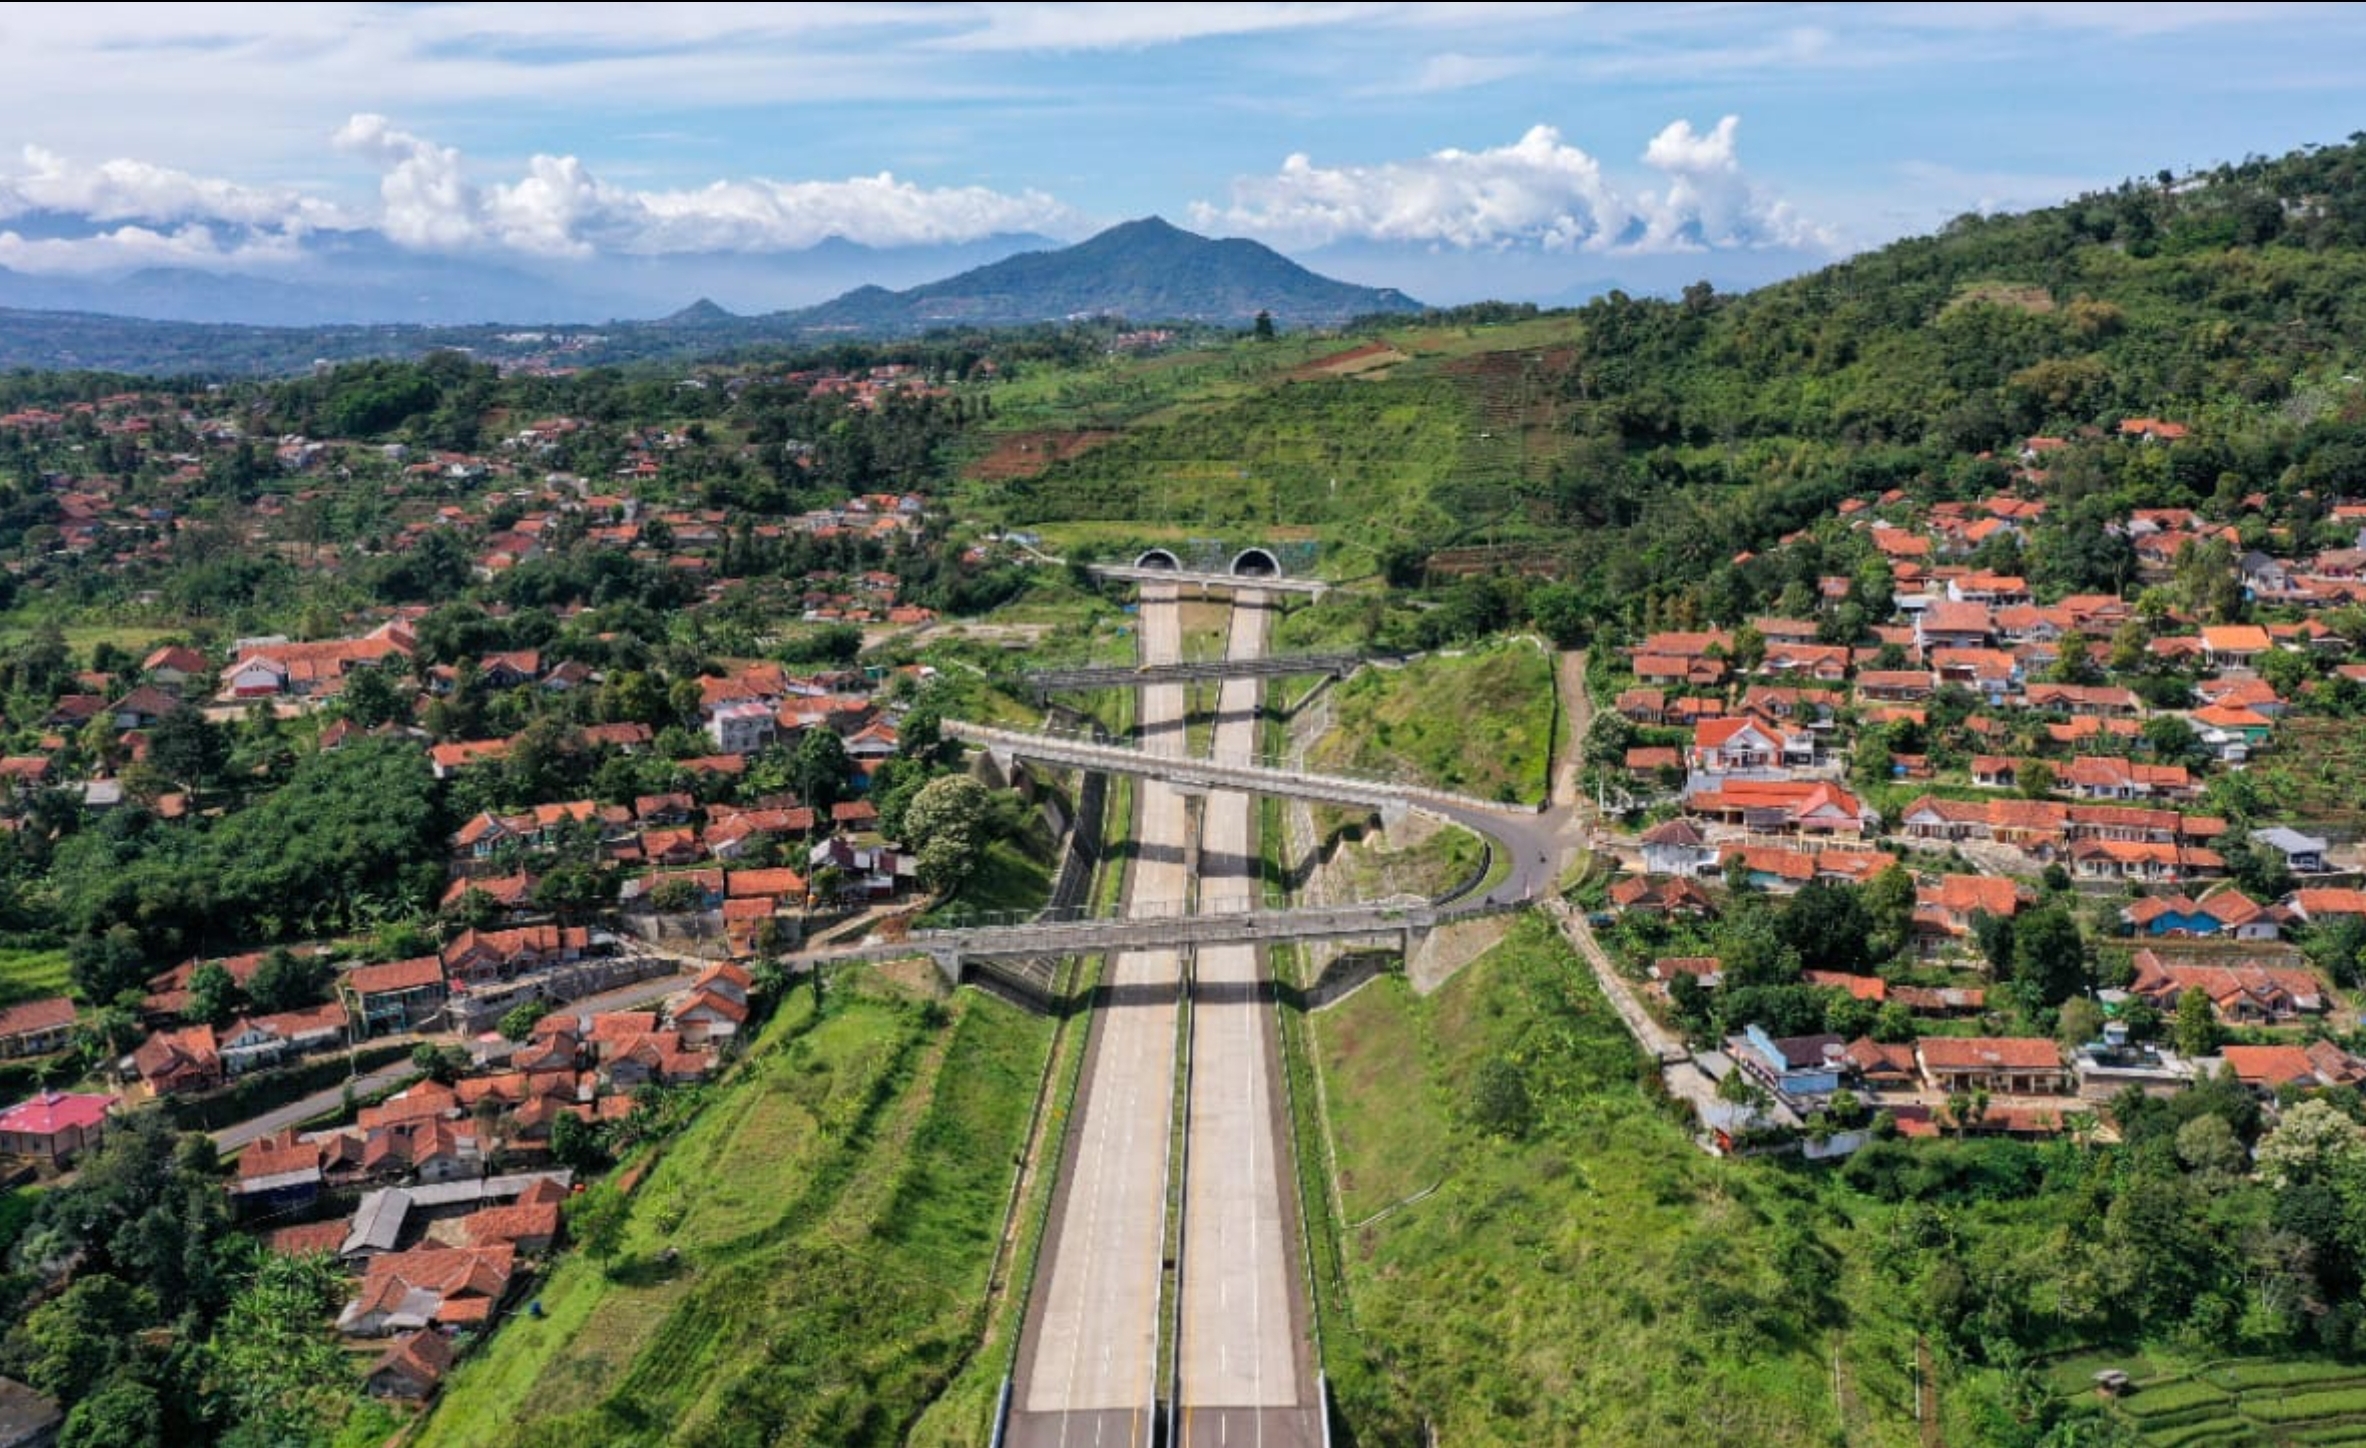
(1146, 270)
(701, 313)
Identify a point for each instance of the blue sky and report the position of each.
(1453, 150)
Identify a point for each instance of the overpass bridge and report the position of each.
(1523, 836)
(1249, 774)
(1404, 919)
(1128, 676)
(1188, 581)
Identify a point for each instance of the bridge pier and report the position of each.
(948, 960)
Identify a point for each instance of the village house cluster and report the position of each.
(1992, 745)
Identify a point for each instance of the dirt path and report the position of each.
(1926, 1396)
(1577, 706)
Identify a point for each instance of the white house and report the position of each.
(742, 728)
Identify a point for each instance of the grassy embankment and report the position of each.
(836, 1214)
(1591, 1278)
(1479, 723)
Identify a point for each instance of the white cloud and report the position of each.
(1451, 71)
(427, 202)
(1134, 27)
(130, 247)
(559, 208)
(1537, 192)
(125, 190)
(1710, 203)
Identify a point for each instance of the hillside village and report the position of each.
(413, 776)
(1932, 742)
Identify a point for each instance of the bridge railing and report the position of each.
(1390, 782)
(1269, 901)
(1234, 759)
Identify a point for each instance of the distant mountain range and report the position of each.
(185, 321)
(360, 277)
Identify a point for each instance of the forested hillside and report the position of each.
(1635, 446)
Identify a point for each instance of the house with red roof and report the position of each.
(1708, 970)
(1645, 896)
(54, 1126)
(1677, 847)
(412, 1367)
(428, 1287)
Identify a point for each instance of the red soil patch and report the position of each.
(1345, 361)
(1026, 454)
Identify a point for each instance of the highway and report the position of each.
(1088, 1354)
(1244, 1369)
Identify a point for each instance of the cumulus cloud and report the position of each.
(427, 201)
(1538, 192)
(126, 190)
(559, 208)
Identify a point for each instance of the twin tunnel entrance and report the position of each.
(1248, 563)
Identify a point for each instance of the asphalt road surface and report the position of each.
(1244, 1370)
(1088, 1374)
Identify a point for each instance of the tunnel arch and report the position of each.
(1159, 558)
(1255, 563)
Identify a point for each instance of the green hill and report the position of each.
(1637, 446)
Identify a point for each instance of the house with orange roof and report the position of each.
(2000, 1065)
(2248, 993)
(1748, 745)
(2234, 646)
(178, 1062)
(1943, 911)
(36, 1027)
(395, 997)
(1784, 807)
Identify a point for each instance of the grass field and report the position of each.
(25, 974)
(1479, 722)
(835, 1212)
(1593, 1279)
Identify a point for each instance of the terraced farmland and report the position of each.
(2247, 1404)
